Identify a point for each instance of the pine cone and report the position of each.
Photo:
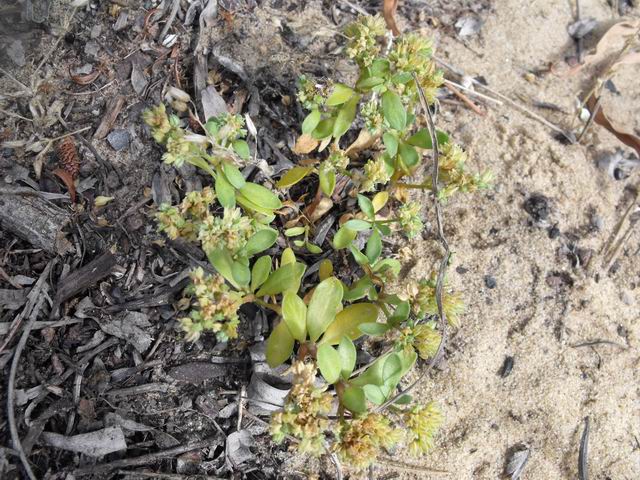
(68, 157)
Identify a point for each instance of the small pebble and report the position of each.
(490, 282)
(554, 232)
(507, 366)
(537, 206)
(118, 139)
(461, 270)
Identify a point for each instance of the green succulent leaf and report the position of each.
(393, 110)
(343, 237)
(241, 147)
(345, 117)
(325, 303)
(261, 196)
(374, 329)
(374, 394)
(286, 278)
(241, 273)
(367, 83)
(341, 94)
(233, 175)
(357, 225)
(293, 176)
(348, 354)
(408, 154)
(422, 138)
(313, 248)
(354, 400)
(311, 121)
(366, 206)
(329, 363)
(261, 240)
(374, 246)
(359, 290)
(401, 313)
(327, 181)
(260, 272)
(294, 231)
(294, 313)
(359, 257)
(223, 263)
(346, 322)
(224, 191)
(391, 143)
(324, 129)
(279, 345)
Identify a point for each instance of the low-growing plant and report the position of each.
(322, 323)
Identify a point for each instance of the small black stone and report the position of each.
(461, 270)
(537, 206)
(507, 366)
(554, 232)
(69, 38)
(490, 282)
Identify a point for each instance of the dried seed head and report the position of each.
(68, 157)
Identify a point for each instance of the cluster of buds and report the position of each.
(361, 438)
(423, 338)
(159, 122)
(231, 231)
(363, 45)
(412, 53)
(409, 219)
(422, 297)
(453, 174)
(226, 129)
(186, 219)
(336, 162)
(376, 171)
(216, 307)
(372, 115)
(310, 95)
(305, 412)
(422, 422)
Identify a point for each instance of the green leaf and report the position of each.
(359, 289)
(241, 273)
(223, 263)
(393, 110)
(260, 272)
(403, 399)
(422, 138)
(311, 121)
(346, 322)
(391, 143)
(360, 258)
(348, 354)
(388, 264)
(402, 78)
(340, 94)
(294, 231)
(242, 149)
(379, 200)
(325, 303)
(401, 313)
(313, 248)
(298, 243)
(233, 175)
(329, 363)
(366, 206)
(254, 207)
(279, 345)
(379, 68)
(324, 128)
(343, 237)
(293, 176)
(374, 329)
(345, 117)
(369, 82)
(294, 313)
(357, 225)
(354, 400)
(287, 256)
(374, 246)
(372, 375)
(285, 278)
(408, 154)
(392, 367)
(327, 181)
(261, 240)
(225, 192)
(374, 394)
(261, 196)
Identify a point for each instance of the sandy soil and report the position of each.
(531, 315)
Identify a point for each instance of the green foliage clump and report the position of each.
(321, 323)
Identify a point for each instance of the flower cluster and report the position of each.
(453, 174)
(363, 45)
(372, 116)
(186, 219)
(216, 307)
(159, 122)
(305, 412)
(231, 231)
(376, 171)
(422, 297)
(423, 338)
(422, 423)
(409, 219)
(226, 128)
(310, 95)
(361, 438)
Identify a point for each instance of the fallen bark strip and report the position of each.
(85, 277)
(34, 219)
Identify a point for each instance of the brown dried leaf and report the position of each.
(601, 119)
(67, 179)
(613, 40)
(305, 144)
(87, 79)
(389, 12)
(365, 140)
